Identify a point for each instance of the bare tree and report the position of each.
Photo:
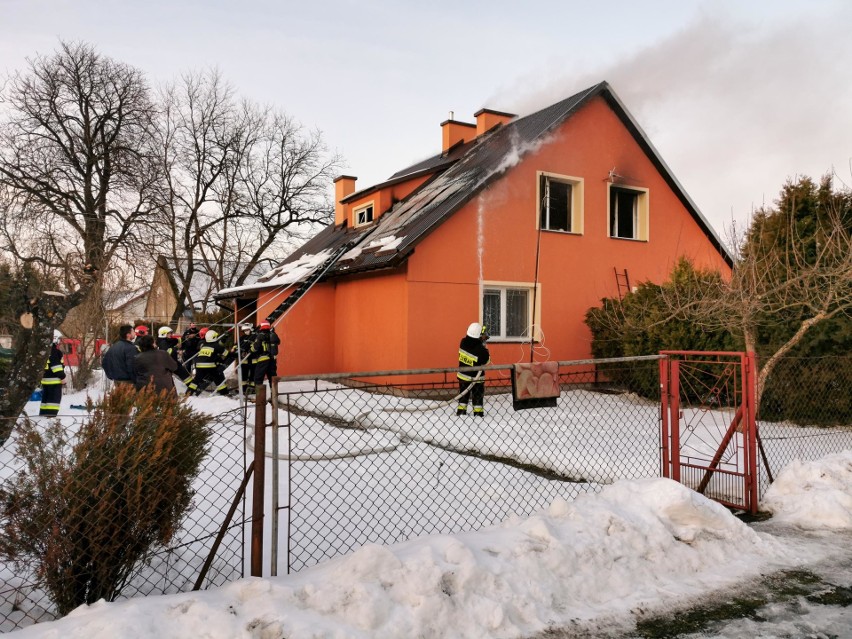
(790, 270)
(242, 182)
(78, 172)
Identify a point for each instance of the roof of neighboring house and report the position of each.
(115, 300)
(201, 285)
(467, 169)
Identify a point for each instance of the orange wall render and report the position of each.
(371, 332)
(306, 331)
(575, 271)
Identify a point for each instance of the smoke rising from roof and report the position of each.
(735, 109)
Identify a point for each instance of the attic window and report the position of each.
(364, 215)
(628, 213)
(560, 203)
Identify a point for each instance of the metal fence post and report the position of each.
(259, 480)
(674, 410)
(750, 393)
(273, 555)
(664, 417)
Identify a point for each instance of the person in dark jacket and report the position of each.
(118, 362)
(264, 352)
(209, 366)
(190, 342)
(156, 367)
(472, 352)
(51, 381)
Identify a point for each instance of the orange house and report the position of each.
(521, 223)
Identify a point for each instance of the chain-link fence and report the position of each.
(386, 459)
(24, 597)
(805, 412)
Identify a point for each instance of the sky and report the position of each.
(597, 565)
(737, 96)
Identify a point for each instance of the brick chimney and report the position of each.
(487, 119)
(453, 132)
(343, 185)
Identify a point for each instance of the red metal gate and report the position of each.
(709, 436)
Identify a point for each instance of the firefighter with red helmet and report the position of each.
(264, 353)
(140, 331)
(190, 342)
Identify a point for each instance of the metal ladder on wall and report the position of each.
(306, 283)
(622, 281)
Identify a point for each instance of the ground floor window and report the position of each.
(507, 311)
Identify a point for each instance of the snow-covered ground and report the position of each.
(597, 563)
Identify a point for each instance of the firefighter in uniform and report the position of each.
(190, 342)
(166, 341)
(209, 366)
(140, 331)
(472, 352)
(264, 350)
(51, 382)
(246, 366)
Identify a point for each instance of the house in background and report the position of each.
(521, 223)
(125, 307)
(164, 299)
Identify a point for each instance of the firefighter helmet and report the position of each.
(474, 330)
(164, 331)
(264, 325)
(211, 336)
(141, 330)
(246, 328)
(203, 332)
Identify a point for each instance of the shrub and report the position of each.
(645, 323)
(90, 507)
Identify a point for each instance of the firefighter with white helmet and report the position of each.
(209, 366)
(166, 341)
(472, 352)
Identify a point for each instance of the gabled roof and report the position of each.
(469, 168)
(115, 300)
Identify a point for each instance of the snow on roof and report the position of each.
(284, 275)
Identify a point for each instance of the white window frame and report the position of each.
(360, 209)
(533, 314)
(577, 189)
(640, 213)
